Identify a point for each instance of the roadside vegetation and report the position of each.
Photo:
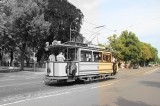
(129, 49)
(25, 26)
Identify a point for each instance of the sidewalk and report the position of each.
(5, 69)
(17, 69)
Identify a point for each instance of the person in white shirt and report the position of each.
(52, 57)
(60, 57)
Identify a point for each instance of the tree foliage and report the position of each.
(129, 48)
(126, 46)
(64, 17)
(145, 51)
(28, 24)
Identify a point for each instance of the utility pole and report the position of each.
(70, 30)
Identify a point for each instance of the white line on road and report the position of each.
(135, 73)
(149, 72)
(102, 86)
(145, 72)
(19, 79)
(63, 92)
(6, 80)
(20, 84)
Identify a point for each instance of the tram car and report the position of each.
(82, 63)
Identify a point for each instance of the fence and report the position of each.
(28, 65)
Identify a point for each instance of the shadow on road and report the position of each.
(158, 72)
(151, 83)
(78, 83)
(124, 102)
(63, 84)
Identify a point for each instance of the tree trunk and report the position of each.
(22, 56)
(11, 56)
(0, 57)
(22, 62)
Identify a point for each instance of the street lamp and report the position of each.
(70, 27)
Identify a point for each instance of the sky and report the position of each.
(103, 18)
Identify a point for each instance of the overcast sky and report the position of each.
(139, 16)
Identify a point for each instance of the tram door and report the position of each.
(72, 64)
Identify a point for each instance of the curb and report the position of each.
(17, 69)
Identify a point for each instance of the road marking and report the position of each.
(32, 77)
(135, 73)
(19, 84)
(149, 72)
(63, 92)
(102, 86)
(34, 98)
(6, 80)
(19, 79)
(145, 72)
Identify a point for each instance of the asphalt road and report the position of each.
(137, 87)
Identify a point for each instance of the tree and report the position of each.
(3, 30)
(30, 23)
(129, 48)
(27, 27)
(146, 54)
(149, 53)
(65, 20)
(154, 53)
(126, 46)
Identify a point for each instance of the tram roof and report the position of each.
(79, 45)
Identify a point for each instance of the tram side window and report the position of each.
(97, 56)
(86, 56)
(107, 57)
(100, 56)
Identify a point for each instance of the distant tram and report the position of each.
(82, 63)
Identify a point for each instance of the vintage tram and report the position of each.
(82, 62)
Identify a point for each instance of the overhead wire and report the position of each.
(139, 23)
(127, 26)
(115, 31)
(99, 25)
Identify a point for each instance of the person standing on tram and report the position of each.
(60, 57)
(52, 57)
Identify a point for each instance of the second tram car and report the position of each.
(82, 62)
